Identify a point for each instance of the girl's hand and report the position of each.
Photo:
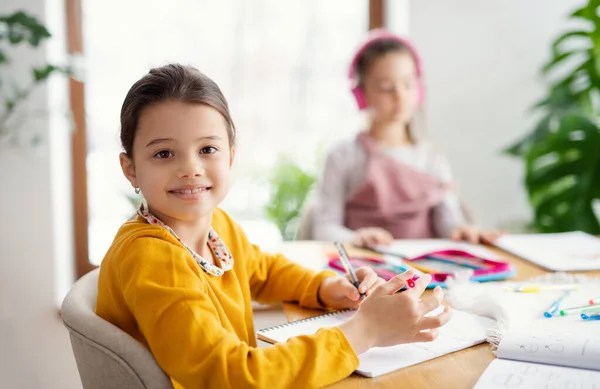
(386, 318)
(473, 234)
(339, 293)
(371, 236)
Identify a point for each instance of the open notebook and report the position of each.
(462, 331)
(566, 251)
(544, 361)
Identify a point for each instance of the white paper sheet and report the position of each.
(503, 373)
(568, 251)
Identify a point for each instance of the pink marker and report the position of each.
(410, 283)
(594, 301)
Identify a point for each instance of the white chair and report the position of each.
(107, 357)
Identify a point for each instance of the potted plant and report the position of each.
(562, 152)
(289, 189)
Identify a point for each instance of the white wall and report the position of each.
(36, 226)
(481, 67)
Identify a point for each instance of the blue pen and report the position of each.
(590, 317)
(554, 308)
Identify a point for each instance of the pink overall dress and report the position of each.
(393, 196)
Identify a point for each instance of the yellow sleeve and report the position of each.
(275, 278)
(166, 293)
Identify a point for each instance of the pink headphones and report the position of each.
(374, 36)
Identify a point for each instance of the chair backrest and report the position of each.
(106, 356)
(305, 225)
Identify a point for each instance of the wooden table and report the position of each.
(459, 370)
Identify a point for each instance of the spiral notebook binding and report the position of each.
(312, 318)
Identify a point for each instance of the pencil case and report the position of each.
(439, 264)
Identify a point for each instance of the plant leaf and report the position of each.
(521, 147)
(42, 73)
(566, 36)
(289, 187)
(563, 176)
(22, 26)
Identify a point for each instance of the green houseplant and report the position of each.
(289, 188)
(17, 29)
(562, 152)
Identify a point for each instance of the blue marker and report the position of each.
(555, 307)
(590, 317)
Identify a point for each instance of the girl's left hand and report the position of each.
(474, 235)
(339, 293)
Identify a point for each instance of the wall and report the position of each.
(36, 229)
(481, 65)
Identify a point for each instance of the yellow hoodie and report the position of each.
(199, 327)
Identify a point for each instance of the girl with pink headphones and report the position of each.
(385, 183)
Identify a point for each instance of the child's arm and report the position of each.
(328, 219)
(274, 278)
(448, 215)
(167, 294)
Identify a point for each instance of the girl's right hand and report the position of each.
(386, 318)
(371, 236)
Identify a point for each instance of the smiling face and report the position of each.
(181, 160)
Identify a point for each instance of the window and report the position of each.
(281, 65)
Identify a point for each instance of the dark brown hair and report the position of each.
(375, 50)
(173, 82)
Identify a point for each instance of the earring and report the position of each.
(136, 190)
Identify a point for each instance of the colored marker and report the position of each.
(595, 301)
(540, 288)
(556, 305)
(583, 308)
(424, 269)
(590, 317)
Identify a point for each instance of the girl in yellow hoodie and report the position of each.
(180, 277)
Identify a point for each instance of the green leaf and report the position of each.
(553, 173)
(566, 36)
(15, 35)
(42, 73)
(24, 27)
(587, 12)
(580, 13)
(289, 187)
(521, 147)
(9, 104)
(563, 176)
(558, 59)
(560, 98)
